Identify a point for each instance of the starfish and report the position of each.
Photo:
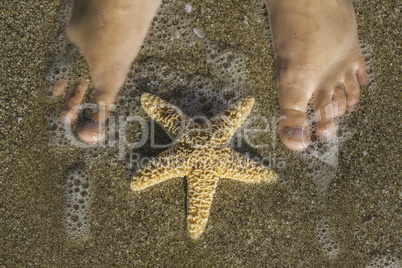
(201, 153)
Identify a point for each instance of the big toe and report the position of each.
(92, 132)
(294, 131)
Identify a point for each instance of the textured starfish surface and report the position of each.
(201, 153)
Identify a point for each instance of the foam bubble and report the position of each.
(323, 233)
(385, 261)
(77, 211)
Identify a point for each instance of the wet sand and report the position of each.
(354, 207)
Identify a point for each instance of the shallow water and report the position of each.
(336, 205)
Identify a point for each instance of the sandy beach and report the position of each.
(335, 205)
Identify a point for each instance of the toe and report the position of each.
(93, 131)
(361, 74)
(107, 87)
(294, 95)
(60, 87)
(69, 112)
(325, 114)
(352, 89)
(339, 101)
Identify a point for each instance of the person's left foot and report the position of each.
(317, 54)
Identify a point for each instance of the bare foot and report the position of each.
(317, 53)
(109, 35)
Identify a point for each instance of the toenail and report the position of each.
(351, 108)
(91, 132)
(297, 135)
(65, 120)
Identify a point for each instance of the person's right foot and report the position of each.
(109, 35)
(317, 54)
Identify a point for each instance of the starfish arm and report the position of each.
(169, 164)
(225, 124)
(174, 121)
(201, 187)
(239, 167)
